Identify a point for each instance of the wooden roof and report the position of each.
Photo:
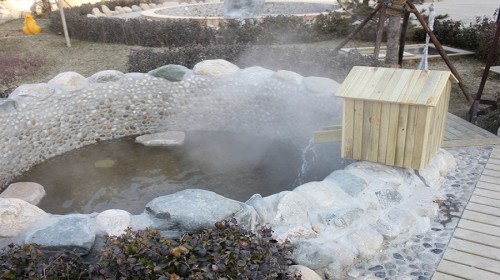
(405, 86)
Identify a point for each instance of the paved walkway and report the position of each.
(474, 250)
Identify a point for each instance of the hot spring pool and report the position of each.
(122, 174)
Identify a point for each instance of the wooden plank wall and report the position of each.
(390, 133)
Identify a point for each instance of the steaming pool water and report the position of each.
(122, 174)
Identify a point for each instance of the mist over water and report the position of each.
(121, 174)
(245, 134)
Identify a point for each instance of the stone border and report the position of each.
(216, 21)
(351, 214)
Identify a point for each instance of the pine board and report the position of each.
(468, 272)
(469, 227)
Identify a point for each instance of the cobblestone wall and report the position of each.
(42, 120)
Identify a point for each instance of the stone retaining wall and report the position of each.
(70, 111)
(350, 215)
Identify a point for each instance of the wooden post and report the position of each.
(65, 27)
(402, 38)
(394, 13)
(355, 31)
(380, 32)
(472, 114)
(441, 51)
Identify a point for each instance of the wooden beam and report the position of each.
(327, 136)
(360, 26)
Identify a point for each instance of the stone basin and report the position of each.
(349, 215)
(212, 13)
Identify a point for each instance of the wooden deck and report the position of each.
(461, 133)
(474, 250)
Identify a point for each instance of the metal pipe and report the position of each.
(472, 114)
(441, 51)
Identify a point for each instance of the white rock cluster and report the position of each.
(349, 215)
(105, 11)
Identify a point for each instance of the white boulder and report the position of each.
(217, 68)
(289, 77)
(96, 12)
(321, 85)
(304, 271)
(16, 215)
(69, 81)
(113, 222)
(27, 191)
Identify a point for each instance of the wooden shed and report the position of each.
(394, 116)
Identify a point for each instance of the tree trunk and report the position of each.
(393, 32)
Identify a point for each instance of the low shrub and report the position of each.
(175, 33)
(477, 36)
(225, 252)
(307, 62)
(30, 262)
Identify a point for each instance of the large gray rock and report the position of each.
(320, 194)
(434, 174)
(388, 198)
(242, 8)
(17, 215)
(292, 209)
(366, 241)
(170, 72)
(372, 171)
(350, 183)
(313, 256)
(344, 254)
(27, 191)
(264, 208)
(7, 104)
(69, 81)
(194, 210)
(168, 138)
(342, 217)
(63, 232)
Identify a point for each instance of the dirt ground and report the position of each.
(88, 58)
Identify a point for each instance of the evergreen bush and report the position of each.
(225, 252)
